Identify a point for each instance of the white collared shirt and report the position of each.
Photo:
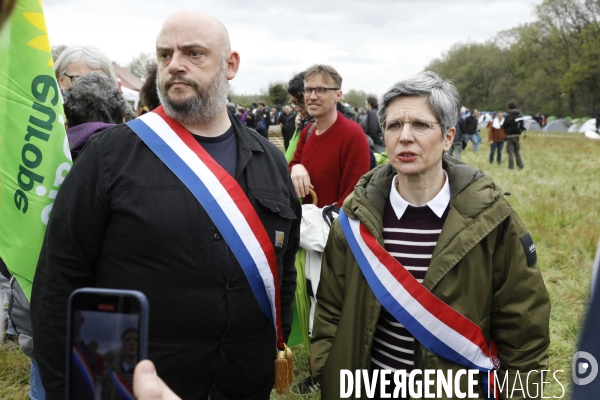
(438, 204)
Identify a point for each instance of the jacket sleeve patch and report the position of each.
(529, 248)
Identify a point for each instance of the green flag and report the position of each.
(34, 152)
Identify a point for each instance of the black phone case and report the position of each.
(143, 331)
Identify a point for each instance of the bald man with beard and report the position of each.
(123, 219)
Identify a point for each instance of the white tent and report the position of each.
(589, 125)
(574, 128)
(556, 126)
(592, 135)
(132, 96)
(484, 119)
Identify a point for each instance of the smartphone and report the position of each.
(107, 334)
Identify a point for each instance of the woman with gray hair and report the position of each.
(427, 264)
(93, 104)
(77, 61)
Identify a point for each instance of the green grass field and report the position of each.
(557, 196)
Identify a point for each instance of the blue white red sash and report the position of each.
(437, 326)
(224, 201)
(121, 385)
(84, 369)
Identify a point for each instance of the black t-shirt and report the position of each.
(222, 148)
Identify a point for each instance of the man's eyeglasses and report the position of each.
(293, 104)
(419, 126)
(72, 77)
(320, 91)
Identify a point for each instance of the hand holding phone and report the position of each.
(148, 385)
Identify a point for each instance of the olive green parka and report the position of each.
(479, 267)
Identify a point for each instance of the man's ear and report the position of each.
(338, 96)
(233, 64)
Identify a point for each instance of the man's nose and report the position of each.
(313, 95)
(176, 66)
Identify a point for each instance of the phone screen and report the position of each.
(104, 345)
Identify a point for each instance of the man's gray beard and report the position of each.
(210, 99)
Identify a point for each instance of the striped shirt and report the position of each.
(410, 234)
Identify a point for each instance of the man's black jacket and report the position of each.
(123, 220)
(373, 128)
(511, 125)
(470, 125)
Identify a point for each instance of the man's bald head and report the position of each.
(198, 20)
(195, 62)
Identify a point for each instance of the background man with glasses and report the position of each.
(331, 156)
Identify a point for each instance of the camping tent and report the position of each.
(556, 126)
(590, 124)
(551, 119)
(574, 128)
(532, 125)
(484, 119)
(131, 96)
(592, 135)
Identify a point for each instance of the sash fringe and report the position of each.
(284, 370)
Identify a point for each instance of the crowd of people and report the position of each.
(212, 239)
(503, 128)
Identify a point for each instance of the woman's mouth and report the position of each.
(407, 156)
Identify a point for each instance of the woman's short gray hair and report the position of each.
(94, 98)
(442, 96)
(90, 55)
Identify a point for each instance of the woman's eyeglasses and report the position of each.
(419, 126)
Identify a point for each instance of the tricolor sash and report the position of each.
(85, 369)
(436, 325)
(225, 202)
(121, 385)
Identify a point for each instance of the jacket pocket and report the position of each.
(274, 201)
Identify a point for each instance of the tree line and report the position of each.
(551, 65)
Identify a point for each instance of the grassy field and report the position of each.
(557, 196)
(14, 374)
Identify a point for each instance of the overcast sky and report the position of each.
(372, 43)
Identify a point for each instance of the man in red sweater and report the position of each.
(333, 155)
